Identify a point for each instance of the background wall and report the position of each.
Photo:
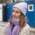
(0, 12)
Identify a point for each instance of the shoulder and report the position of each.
(6, 26)
(5, 29)
(26, 27)
(25, 30)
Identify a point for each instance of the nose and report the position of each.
(13, 13)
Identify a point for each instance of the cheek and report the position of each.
(18, 15)
(12, 13)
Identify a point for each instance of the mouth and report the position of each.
(14, 16)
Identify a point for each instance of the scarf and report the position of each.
(16, 28)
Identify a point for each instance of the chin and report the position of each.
(14, 18)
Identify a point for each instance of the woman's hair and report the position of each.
(22, 21)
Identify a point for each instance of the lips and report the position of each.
(14, 16)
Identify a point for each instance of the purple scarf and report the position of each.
(16, 28)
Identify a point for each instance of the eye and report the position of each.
(13, 10)
(17, 12)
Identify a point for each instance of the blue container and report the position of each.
(30, 14)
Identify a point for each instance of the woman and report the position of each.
(18, 21)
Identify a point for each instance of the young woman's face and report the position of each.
(16, 13)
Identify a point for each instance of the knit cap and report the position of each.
(22, 6)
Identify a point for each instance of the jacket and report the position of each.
(24, 31)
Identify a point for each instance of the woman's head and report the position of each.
(18, 8)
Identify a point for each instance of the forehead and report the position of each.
(14, 8)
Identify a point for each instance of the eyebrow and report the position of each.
(13, 10)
